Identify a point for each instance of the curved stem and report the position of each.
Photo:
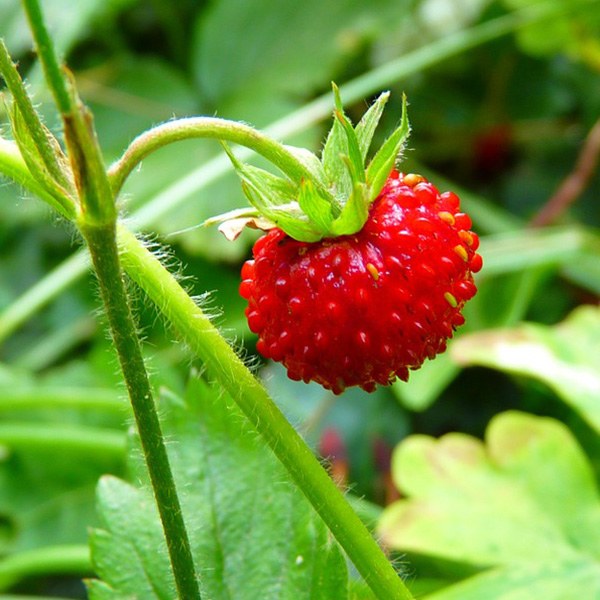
(51, 560)
(228, 369)
(206, 127)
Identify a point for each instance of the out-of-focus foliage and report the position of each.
(522, 508)
(501, 123)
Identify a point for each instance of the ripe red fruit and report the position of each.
(363, 309)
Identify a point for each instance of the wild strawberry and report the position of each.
(363, 309)
(365, 271)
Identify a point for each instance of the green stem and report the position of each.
(51, 560)
(13, 167)
(47, 55)
(103, 249)
(228, 369)
(29, 114)
(207, 127)
(68, 438)
(61, 398)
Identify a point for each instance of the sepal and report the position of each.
(335, 195)
(386, 157)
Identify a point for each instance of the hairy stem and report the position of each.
(207, 127)
(32, 121)
(226, 367)
(103, 249)
(47, 55)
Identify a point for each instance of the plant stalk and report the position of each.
(47, 55)
(101, 241)
(227, 368)
(207, 127)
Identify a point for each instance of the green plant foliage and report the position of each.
(577, 33)
(499, 113)
(253, 535)
(566, 357)
(523, 507)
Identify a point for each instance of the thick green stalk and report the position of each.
(228, 369)
(103, 249)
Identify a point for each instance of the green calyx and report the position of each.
(334, 195)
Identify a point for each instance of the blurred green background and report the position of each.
(500, 113)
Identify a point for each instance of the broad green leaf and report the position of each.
(128, 549)
(566, 357)
(527, 498)
(291, 48)
(554, 580)
(253, 535)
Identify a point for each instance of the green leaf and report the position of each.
(384, 160)
(253, 534)
(560, 580)
(368, 124)
(566, 357)
(128, 549)
(526, 500)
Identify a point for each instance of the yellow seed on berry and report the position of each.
(450, 299)
(373, 271)
(411, 179)
(447, 217)
(466, 237)
(462, 252)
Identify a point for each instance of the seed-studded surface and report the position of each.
(363, 309)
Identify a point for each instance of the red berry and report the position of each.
(363, 309)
